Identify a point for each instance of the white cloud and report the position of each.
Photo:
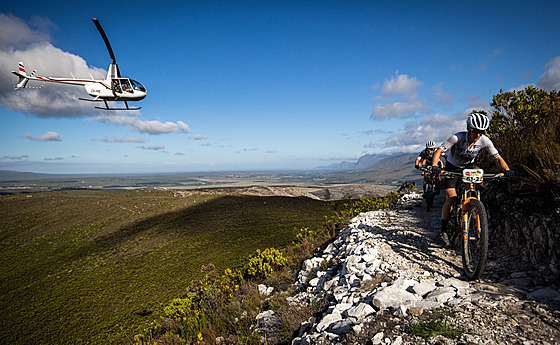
(550, 79)
(152, 147)
(401, 93)
(400, 84)
(153, 127)
(397, 110)
(49, 136)
(115, 139)
(198, 137)
(17, 158)
(413, 137)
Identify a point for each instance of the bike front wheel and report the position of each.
(475, 239)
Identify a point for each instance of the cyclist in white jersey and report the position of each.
(462, 149)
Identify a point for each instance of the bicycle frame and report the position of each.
(469, 192)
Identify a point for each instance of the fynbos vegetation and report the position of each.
(223, 307)
(525, 127)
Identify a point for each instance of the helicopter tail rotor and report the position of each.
(24, 77)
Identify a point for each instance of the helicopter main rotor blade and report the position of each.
(100, 29)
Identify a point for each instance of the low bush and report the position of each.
(436, 325)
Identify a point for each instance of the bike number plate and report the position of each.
(473, 175)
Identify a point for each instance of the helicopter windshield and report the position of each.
(137, 86)
(127, 85)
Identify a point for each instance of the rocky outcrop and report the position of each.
(387, 269)
(527, 224)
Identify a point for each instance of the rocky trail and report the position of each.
(388, 271)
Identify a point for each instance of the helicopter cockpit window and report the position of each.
(122, 85)
(126, 86)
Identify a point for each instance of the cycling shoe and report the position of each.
(445, 239)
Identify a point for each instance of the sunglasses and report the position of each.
(476, 131)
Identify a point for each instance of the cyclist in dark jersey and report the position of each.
(463, 149)
(425, 159)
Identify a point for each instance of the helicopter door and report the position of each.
(116, 86)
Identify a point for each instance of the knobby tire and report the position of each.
(475, 247)
(454, 227)
(429, 197)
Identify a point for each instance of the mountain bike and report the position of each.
(432, 188)
(469, 218)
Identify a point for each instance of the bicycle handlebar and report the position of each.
(454, 173)
(486, 176)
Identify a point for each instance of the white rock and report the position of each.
(360, 311)
(394, 294)
(265, 290)
(441, 295)
(423, 288)
(377, 339)
(328, 320)
(341, 307)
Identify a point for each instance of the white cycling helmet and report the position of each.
(430, 144)
(478, 121)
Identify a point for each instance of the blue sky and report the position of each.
(249, 85)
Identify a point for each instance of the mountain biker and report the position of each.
(463, 149)
(425, 159)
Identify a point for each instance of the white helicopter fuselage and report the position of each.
(110, 89)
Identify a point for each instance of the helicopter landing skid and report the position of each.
(107, 105)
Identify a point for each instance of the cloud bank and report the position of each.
(153, 127)
(400, 98)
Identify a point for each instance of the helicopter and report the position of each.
(112, 88)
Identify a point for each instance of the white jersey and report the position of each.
(461, 154)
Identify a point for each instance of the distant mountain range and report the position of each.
(7, 175)
(376, 168)
(363, 162)
(369, 169)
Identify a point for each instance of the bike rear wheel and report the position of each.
(454, 228)
(475, 239)
(429, 197)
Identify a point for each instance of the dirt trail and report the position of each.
(508, 305)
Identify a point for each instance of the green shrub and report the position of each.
(263, 263)
(406, 187)
(525, 128)
(187, 312)
(438, 325)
